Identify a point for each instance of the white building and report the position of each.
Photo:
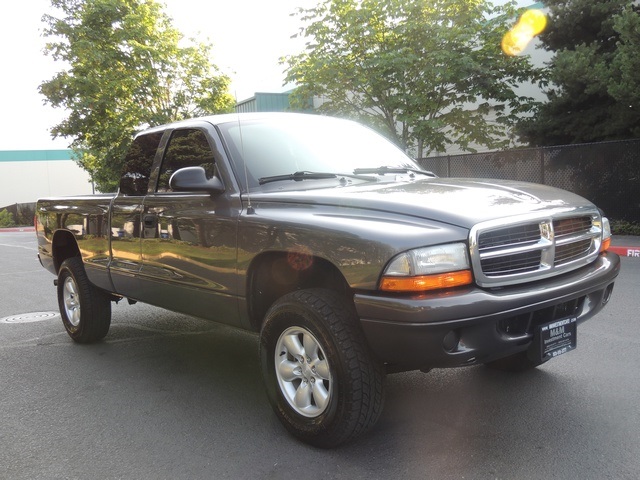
(26, 175)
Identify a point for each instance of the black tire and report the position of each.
(343, 381)
(519, 362)
(85, 309)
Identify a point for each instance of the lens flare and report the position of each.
(515, 41)
(534, 19)
(530, 24)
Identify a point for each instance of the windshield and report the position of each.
(285, 144)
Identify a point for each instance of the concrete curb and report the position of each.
(626, 251)
(626, 245)
(17, 229)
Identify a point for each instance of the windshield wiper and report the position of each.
(383, 170)
(297, 176)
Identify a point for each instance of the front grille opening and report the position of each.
(525, 324)
(512, 264)
(569, 226)
(512, 236)
(568, 309)
(572, 251)
(517, 326)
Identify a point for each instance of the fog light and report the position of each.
(451, 341)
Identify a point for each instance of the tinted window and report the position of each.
(137, 164)
(186, 148)
(284, 144)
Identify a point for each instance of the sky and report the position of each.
(248, 37)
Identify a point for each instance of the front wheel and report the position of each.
(85, 309)
(321, 379)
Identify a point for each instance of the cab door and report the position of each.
(126, 214)
(189, 239)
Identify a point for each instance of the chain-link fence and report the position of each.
(607, 173)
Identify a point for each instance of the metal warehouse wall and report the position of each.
(264, 102)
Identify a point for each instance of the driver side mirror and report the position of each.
(194, 179)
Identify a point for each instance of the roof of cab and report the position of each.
(224, 118)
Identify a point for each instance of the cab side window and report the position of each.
(186, 148)
(137, 164)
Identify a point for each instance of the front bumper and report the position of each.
(471, 325)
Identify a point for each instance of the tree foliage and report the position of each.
(428, 73)
(6, 219)
(594, 77)
(125, 66)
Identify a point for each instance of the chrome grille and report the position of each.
(567, 253)
(521, 234)
(505, 252)
(572, 238)
(510, 264)
(569, 226)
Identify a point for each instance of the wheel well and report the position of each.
(64, 246)
(272, 275)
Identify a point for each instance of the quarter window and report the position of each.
(137, 164)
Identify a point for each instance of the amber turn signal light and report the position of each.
(423, 283)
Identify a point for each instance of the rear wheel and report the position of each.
(321, 379)
(85, 309)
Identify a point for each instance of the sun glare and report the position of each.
(530, 24)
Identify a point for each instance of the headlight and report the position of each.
(428, 268)
(606, 235)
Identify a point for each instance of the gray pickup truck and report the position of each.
(347, 258)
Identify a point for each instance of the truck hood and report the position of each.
(456, 201)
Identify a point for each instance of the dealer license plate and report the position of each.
(556, 338)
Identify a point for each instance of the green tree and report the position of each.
(428, 73)
(125, 67)
(6, 219)
(593, 84)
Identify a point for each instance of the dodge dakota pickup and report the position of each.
(347, 258)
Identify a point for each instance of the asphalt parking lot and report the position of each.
(169, 396)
